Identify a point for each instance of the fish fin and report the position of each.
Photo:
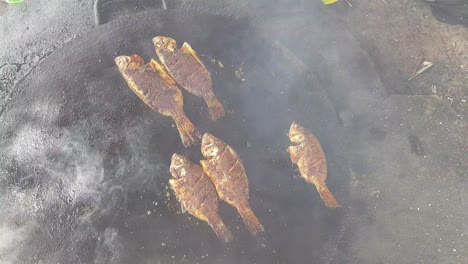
(222, 232)
(161, 70)
(292, 154)
(172, 183)
(215, 108)
(186, 48)
(189, 134)
(251, 221)
(327, 196)
(203, 164)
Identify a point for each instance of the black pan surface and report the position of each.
(84, 162)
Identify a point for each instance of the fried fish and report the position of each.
(227, 172)
(306, 152)
(152, 84)
(196, 193)
(188, 70)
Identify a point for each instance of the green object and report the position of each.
(13, 2)
(327, 2)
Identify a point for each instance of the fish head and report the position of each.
(164, 43)
(211, 146)
(129, 62)
(178, 164)
(297, 133)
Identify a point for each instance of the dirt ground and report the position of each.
(401, 33)
(428, 195)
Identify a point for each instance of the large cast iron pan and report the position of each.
(85, 163)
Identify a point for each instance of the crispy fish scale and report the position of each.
(196, 193)
(188, 70)
(227, 173)
(307, 153)
(154, 86)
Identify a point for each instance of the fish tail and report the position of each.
(222, 232)
(215, 108)
(250, 220)
(327, 196)
(189, 134)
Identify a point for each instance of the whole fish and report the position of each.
(227, 173)
(153, 85)
(188, 70)
(196, 193)
(306, 152)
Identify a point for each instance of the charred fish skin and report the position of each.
(197, 194)
(306, 152)
(153, 85)
(188, 70)
(226, 171)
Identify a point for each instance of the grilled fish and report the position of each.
(306, 152)
(227, 172)
(188, 70)
(152, 84)
(197, 194)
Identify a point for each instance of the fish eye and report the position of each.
(212, 150)
(298, 138)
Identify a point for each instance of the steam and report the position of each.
(55, 185)
(64, 191)
(10, 241)
(109, 248)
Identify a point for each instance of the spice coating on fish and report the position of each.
(197, 194)
(188, 70)
(307, 153)
(153, 85)
(226, 171)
